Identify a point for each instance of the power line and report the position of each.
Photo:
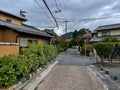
(87, 19)
(44, 27)
(64, 7)
(44, 11)
(59, 3)
(51, 13)
(59, 10)
(56, 4)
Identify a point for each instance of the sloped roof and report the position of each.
(93, 32)
(108, 27)
(97, 39)
(17, 16)
(24, 29)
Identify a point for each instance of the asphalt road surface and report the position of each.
(70, 73)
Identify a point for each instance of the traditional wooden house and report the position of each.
(14, 34)
(106, 30)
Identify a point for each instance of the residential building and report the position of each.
(106, 30)
(15, 35)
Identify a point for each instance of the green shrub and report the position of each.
(7, 71)
(88, 49)
(110, 39)
(106, 49)
(13, 67)
(60, 49)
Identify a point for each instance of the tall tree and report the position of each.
(77, 36)
(83, 31)
(50, 31)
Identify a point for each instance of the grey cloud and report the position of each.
(70, 9)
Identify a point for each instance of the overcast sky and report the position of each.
(71, 9)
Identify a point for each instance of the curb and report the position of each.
(32, 85)
(98, 76)
(107, 82)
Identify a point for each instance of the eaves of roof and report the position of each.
(97, 39)
(24, 29)
(17, 16)
(108, 27)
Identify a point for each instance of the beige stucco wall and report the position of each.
(115, 32)
(14, 20)
(112, 32)
(1, 35)
(99, 34)
(8, 49)
(8, 35)
(41, 41)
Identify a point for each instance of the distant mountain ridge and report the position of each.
(67, 35)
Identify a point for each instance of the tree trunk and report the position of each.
(102, 59)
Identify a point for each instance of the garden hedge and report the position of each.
(106, 50)
(13, 67)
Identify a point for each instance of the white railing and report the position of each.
(8, 43)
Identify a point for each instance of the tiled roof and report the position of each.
(97, 39)
(94, 31)
(108, 27)
(23, 18)
(24, 29)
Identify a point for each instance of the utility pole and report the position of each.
(65, 25)
(65, 20)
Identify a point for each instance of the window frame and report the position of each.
(9, 20)
(106, 33)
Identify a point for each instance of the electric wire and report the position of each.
(87, 19)
(56, 4)
(51, 13)
(58, 7)
(44, 11)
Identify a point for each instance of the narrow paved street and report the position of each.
(70, 73)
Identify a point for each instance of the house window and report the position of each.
(46, 41)
(8, 20)
(30, 41)
(33, 41)
(105, 33)
(23, 42)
